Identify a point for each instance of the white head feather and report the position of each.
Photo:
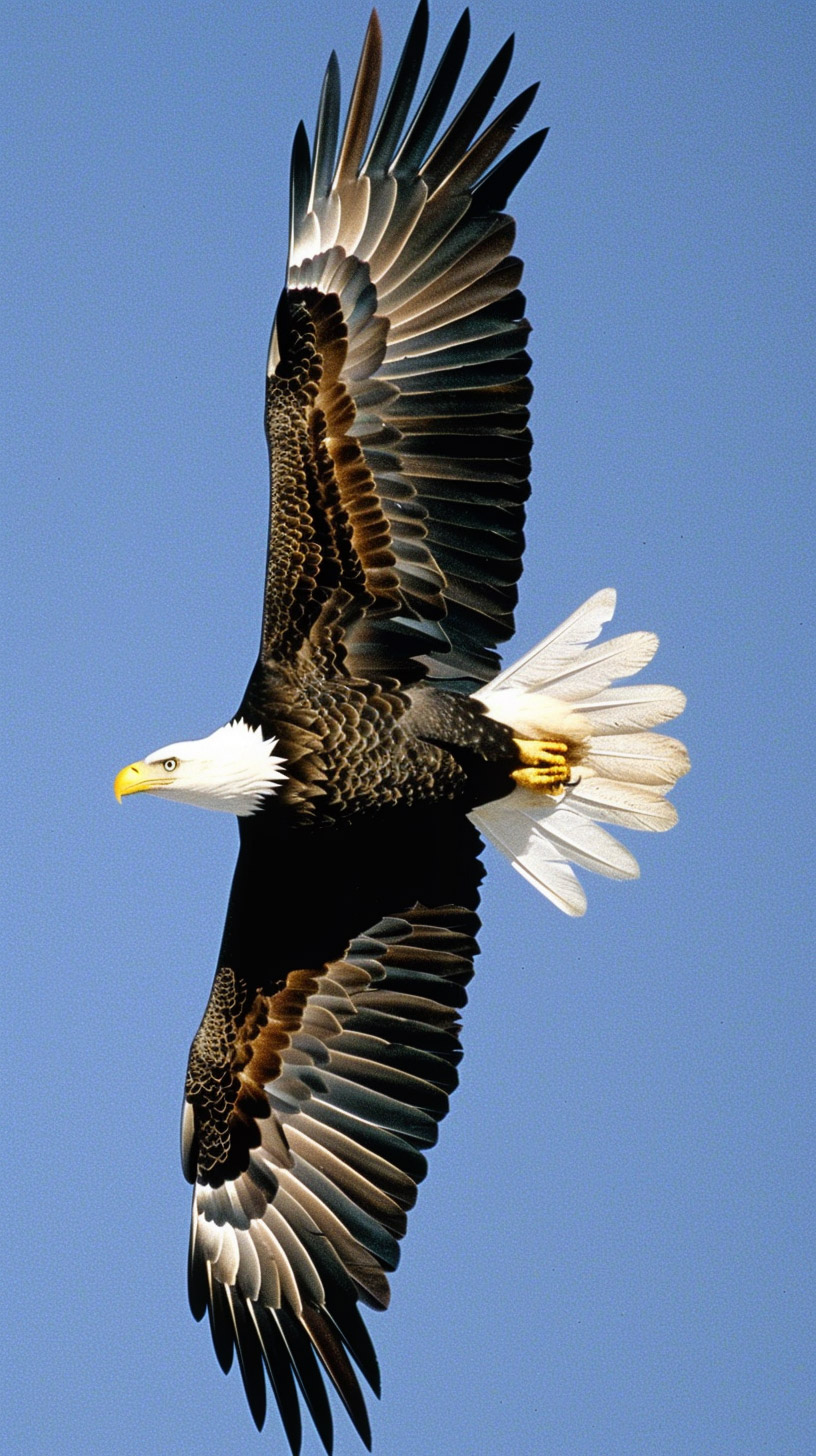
(234, 769)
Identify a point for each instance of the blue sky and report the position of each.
(614, 1249)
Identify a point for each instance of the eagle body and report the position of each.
(356, 748)
(378, 742)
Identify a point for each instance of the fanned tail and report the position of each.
(587, 752)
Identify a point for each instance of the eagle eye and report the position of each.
(169, 764)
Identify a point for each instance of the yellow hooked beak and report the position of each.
(132, 780)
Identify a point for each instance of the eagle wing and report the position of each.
(312, 1096)
(397, 385)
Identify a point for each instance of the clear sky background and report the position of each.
(613, 1252)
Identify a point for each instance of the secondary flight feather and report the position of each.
(377, 738)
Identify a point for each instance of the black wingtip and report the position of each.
(300, 173)
(493, 192)
(460, 35)
(279, 1369)
(197, 1287)
(434, 104)
(528, 95)
(390, 124)
(500, 64)
(304, 1366)
(301, 156)
(326, 129)
(220, 1324)
(250, 1360)
(301, 160)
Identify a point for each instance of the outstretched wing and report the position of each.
(397, 385)
(311, 1097)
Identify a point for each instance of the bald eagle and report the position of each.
(377, 740)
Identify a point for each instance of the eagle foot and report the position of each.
(546, 768)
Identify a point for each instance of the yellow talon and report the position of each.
(546, 767)
(544, 780)
(534, 751)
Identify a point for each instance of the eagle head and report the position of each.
(234, 769)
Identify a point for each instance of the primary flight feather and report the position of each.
(376, 737)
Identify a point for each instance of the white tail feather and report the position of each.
(582, 627)
(641, 758)
(600, 666)
(584, 842)
(634, 806)
(629, 709)
(530, 854)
